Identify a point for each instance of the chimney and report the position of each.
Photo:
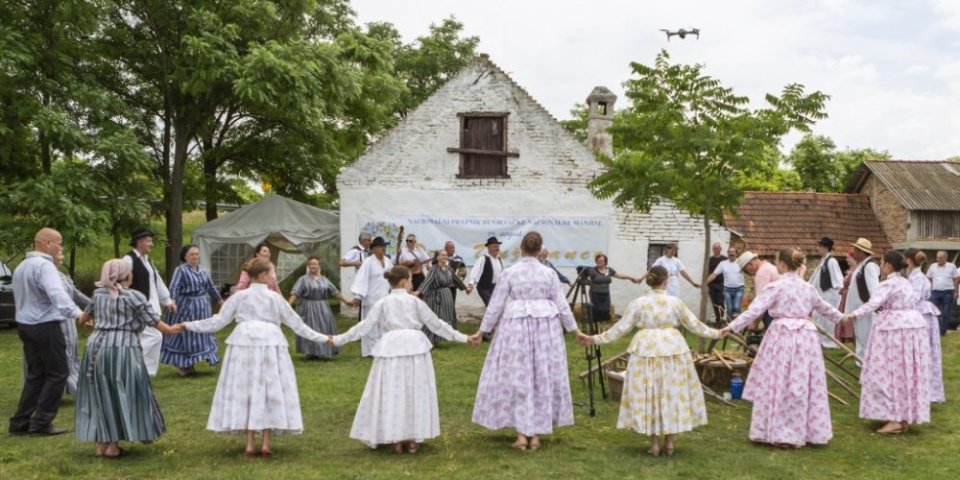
(599, 119)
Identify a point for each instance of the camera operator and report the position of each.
(599, 278)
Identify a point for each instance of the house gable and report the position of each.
(415, 152)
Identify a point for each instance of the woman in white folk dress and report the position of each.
(257, 388)
(399, 403)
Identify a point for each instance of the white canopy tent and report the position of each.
(293, 230)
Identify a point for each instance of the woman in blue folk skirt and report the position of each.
(193, 291)
(115, 400)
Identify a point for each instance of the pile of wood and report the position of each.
(718, 367)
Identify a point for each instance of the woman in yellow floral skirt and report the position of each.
(661, 390)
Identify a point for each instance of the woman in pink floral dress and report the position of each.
(895, 380)
(525, 383)
(787, 382)
(921, 295)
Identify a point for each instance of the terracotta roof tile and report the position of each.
(770, 221)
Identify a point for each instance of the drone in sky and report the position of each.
(682, 33)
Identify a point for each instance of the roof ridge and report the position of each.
(800, 192)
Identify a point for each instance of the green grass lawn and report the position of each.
(593, 448)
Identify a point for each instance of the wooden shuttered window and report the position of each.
(483, 145)
(935, 225)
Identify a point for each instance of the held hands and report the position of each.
(330, 340)
(476, 339)
(848, 318)
(469, 289)
(85, 319)
(584, 339)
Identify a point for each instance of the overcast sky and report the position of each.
(892, 68)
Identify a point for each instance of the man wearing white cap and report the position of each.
(864, 280)
(763, 273)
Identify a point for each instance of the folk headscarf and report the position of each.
(113, 274)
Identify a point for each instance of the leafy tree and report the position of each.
(577, 124)
(62, 135)
(685, 137)
(850, 160)
(61, 200)
(286, 91)
(427, 63)
(822, 168)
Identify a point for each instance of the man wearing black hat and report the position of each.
(828, 280)
(148, 281)
(486, 271)
(369, 286)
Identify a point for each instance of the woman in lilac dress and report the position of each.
(788, 382)
(525, 384)
(895, 380)
(921, 295)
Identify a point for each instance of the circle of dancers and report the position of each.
(407, 308)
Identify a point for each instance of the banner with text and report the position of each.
(571, 240)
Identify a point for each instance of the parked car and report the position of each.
(7, 307)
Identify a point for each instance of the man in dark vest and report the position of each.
(865, 279)
(828, 281)
(486, 271)
(715, 286)
(148, 281)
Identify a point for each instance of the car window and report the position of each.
(5, 270)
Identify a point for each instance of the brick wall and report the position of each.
(894, 219)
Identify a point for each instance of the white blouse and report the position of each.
(258, 312)
(401, 318)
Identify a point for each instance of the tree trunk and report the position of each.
(210, 184)
(175, 196)
(116, 241)
(705, 291)
(73, 261)
(46, 157)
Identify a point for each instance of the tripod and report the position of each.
(588, 324)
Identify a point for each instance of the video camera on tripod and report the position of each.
(587, 323)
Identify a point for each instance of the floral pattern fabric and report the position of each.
(895, 380)
(661, 390)
(525, 383)
(787, 382)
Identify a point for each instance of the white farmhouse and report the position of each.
(481, 157)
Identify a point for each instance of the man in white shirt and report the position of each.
(864, 280)
(945, 278)
(732, 283)
(354, 257)
(486, 271)
(675, 270)
(827, 280)
(148, 281)
(416, 259)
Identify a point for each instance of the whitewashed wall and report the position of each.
(409, 171)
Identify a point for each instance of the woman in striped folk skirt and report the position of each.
(115, 401)
(436, 292)
(193, 290)
(310, 295)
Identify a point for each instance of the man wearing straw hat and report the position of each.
(864, 280)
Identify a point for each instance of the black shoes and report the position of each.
(50, 430)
